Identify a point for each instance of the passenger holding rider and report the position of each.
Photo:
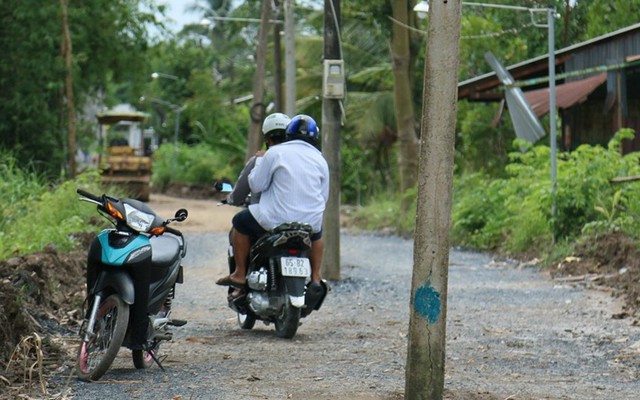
(293, 181)
(273, 131)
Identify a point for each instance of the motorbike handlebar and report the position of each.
(171, 230)
(89, 195)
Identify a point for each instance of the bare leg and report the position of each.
(317, 249)
(241, 246)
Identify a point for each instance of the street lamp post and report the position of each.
(422, 8)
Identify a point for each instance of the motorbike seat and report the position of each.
(165, 250)
(298, 231)
(291, 226)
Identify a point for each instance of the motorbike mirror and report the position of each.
(226, 187)
(181, 215)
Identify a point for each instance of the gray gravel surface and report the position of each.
(512, 334)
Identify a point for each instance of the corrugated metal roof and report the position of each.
(561, 56)
(567, 94)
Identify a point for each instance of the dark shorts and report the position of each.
(245, 223)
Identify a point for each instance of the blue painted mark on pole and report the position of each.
(427, 303)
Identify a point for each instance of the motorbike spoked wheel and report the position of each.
(96, 355)
(288, 321)
(246, 321)
(142, 359)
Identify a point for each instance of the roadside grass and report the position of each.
(512, 215)
(35, 213)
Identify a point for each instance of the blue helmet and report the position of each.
(303, 125)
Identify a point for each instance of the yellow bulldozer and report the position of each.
(126, 159)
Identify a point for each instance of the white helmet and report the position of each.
(275, 124)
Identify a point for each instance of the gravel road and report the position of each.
(512, 334)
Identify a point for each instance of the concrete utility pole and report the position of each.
(290, 59)
(277, 68)
(254, 138)
(330, 134)
(427, 325)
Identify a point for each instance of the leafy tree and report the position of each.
(604, 16)
(108, 37)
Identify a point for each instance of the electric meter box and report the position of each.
(333, 79)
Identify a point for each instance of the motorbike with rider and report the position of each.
(276, 241)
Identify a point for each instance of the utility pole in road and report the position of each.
(330, 133)
(427, 325)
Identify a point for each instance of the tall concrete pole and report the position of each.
(427, 324)
(254, 138)
(330, 134)
(277, 68)
(290, 59)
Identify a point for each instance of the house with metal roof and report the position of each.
(597, 88)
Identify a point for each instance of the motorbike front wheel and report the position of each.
(96, 355)
(288, 321)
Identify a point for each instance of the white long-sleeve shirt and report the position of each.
(293, 181)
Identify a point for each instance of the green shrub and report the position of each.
(49, 218)
(514, 214)
(197, 164)
(17, 187)
(385, 213)
(478, 212)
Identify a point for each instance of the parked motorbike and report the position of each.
(278, 288)
(141, 254)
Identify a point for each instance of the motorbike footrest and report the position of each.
(177, 322)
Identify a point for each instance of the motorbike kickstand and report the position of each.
(153, 356)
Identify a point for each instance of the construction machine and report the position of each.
(126, 159)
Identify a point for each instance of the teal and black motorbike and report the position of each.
(132, 272)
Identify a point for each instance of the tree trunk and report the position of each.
(427, 325)
(405, 116)
(71, 112)
(254, 139)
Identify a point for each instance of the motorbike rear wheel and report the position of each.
(246, 321)
(96, 355)
(288, 321)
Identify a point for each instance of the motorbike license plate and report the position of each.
(294, 266)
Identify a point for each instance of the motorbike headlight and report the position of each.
(138, 220)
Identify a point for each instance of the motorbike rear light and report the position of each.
(114, 212)
(293, 252)
(158, 230)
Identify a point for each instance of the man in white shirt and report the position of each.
(293, 181)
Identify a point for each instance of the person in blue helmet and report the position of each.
(293, 181)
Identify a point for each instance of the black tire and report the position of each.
(287, 323)
(246, 321)
(142, 359)
(96, 355)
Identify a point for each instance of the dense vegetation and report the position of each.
(117, 45)
(35, 213)
(513, 214)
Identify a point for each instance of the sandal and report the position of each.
(226, 281)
